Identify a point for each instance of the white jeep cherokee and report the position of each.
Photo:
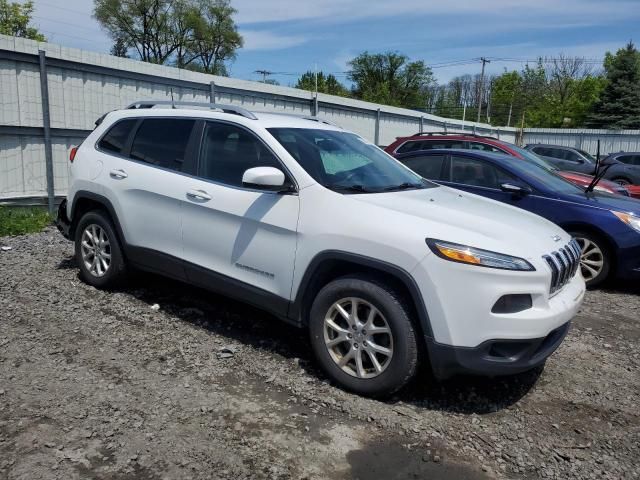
(326, 231)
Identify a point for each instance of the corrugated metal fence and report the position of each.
(80, 86)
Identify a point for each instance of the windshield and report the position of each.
(547, 177)
(587, 155)
(345, 162)
(532, 157)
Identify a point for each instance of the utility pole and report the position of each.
(264, 74)
(484, 61)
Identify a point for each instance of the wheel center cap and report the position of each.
(359, 336)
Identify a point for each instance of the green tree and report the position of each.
(619, 103)
(15, 19)
(196, 34)
(215, 37)
(390, 78)
(120, 48)
(328, 84)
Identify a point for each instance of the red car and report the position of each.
(428, 141)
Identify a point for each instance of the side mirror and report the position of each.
(264, 178)
(515, 189)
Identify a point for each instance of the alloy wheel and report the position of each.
(358, 337)
(96, 250)
(591, 259)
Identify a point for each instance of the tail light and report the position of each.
(72, 154)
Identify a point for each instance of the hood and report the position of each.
(461, 217)
(607, 201)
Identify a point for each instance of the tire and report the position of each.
(594, 250)
(97, 224)
(622, 181)
(395, 334)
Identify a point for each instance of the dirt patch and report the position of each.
(97, 384)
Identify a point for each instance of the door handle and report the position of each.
(198, 195)
(118, 174)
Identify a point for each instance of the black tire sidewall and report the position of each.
(404, 361)
(606, 254)
(117, 268)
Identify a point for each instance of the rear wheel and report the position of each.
(98, 251)
(362, 336)
(595, 258)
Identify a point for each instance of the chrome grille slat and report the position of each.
(564, 264)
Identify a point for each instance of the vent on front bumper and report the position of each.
(564, 264)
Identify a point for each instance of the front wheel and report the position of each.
(595, 258)
(363, 337)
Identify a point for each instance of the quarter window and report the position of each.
(116, 138)
(228, 151)
(162, 142)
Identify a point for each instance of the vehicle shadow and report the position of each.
(250, 326)
(620, 286)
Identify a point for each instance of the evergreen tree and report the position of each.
(619, 103)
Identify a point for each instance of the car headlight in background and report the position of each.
(455, 252)
(631, 220)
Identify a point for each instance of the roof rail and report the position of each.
(320, 120)
(466, 134)
(213, 106)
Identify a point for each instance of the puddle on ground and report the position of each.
(390, 460)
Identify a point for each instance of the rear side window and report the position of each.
(162, 142)
(630, 159)
(116, 138)
(427, 166)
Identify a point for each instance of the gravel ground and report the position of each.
(161, 380)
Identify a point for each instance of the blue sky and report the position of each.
(291, 36)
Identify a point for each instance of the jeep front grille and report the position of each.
(564, 264)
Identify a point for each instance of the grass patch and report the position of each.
(21, 220)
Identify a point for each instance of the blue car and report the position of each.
(606, 226)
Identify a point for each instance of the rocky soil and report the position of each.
(161, 380)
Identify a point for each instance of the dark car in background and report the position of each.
(566, 158)
(623, 168)
(606, 226)
(426, 141)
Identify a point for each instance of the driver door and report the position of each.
(231, 232)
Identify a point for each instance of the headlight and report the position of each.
(455, 252)
(631, 220)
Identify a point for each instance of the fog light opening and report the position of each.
(513, 303)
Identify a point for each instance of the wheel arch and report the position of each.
(587, 228)
(85, 201)
(329, 265)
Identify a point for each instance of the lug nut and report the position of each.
(355, 345)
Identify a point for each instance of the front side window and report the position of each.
(228, 151)
(116, 138)
(162, 142)
(628, 159)
(427, 166)
(345, 162)
(474, 172)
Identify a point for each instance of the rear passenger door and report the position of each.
(143, 175)
(235, 233)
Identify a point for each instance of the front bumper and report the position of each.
(494, 357)
(62, 221)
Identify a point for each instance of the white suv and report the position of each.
(326, 231)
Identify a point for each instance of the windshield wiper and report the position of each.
(349, 188)
(403, 186)
(601, 171)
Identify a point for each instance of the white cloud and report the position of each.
(260, 11)
(268, 40)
